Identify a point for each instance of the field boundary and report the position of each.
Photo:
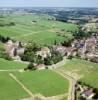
(22, 85)
(33, 96)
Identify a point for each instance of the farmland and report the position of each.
(87, 71)
(45, 82)
(5, 64)
(10, 89)
(43, 40)
(39, 28)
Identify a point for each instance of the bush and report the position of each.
(70, 57)
(4, 55)
(31, 67)
(4, 39)
(55, 58)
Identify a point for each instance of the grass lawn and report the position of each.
(9, 89)
(45, 82)
(88, 70)
(5, 64)
(40, 32)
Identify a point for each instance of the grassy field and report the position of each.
(46, 82)
(1, 45)
(34, 27)
(10, 90)
(5, 64)
(86, 69)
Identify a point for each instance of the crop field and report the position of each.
(5, 64)
(88, 71)
(45, 82)
(10, 89)
(35, 27)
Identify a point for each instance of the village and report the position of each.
(72, 55)
(83, 48)
(86, 48)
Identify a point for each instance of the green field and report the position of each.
(1, 45)
(46, 82)
(88, 70)
(10, 90)
(41, 30)
(5, 64)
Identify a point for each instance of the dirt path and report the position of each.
(10, 70)
(72, 82)
(22, 85)
(33, 96)
(57, 97)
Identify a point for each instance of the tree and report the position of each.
(11, 24)
(4, 39)
(82, 33)
(48, 61)
(31, 67)
(55, 58)
(32, 47)
(28, 56)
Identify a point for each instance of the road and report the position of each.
(63, 73)
(72, 81)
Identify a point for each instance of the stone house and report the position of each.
(61, 49)
(70, 51)
(44, 53)
(13, 49)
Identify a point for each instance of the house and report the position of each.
(88, 94)
(71, 51)
(20, 51)
(59, 48)
(91, 44)
(44, 53)
(40, 66)
(9, 48)
(14, 49)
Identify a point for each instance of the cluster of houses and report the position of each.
(88, 27)
(86, 48)
(14, 49)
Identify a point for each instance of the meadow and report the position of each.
(10, 90)
(39, 28)
(5, 64)
(45, 82)
(88, 71)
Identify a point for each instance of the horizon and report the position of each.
(42, 7)
(49, 3)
